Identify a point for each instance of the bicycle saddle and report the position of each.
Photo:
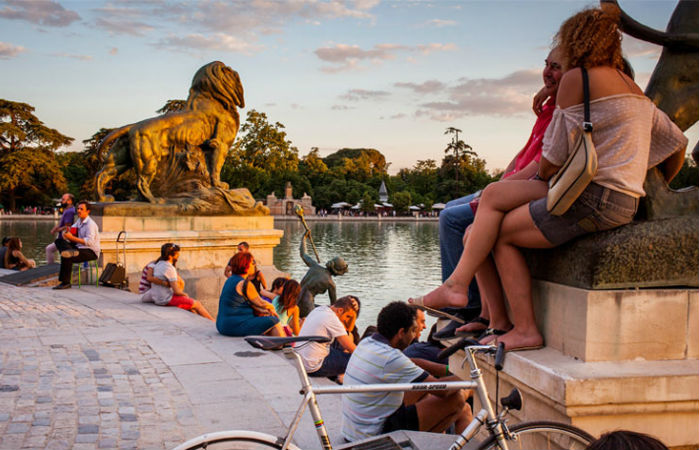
(275, 342)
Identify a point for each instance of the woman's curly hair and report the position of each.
(591, 38)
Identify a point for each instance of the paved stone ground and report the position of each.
(94, 368)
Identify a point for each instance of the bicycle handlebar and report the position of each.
(499, 351)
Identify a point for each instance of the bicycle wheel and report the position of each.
(543, 435)
(234, 440)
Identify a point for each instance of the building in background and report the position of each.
(285, 206)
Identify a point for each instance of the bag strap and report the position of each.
(246, 282)
(586, 125)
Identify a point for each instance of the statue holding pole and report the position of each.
(318, 278)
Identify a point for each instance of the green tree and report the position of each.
(461, 150)
(172, 106)
(30, 171)
(262, 159)
(367, 203)
(401, 201)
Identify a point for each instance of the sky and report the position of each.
(389, 75)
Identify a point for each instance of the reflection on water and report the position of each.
(387, 261)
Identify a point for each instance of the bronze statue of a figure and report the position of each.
(318, 279)
(191, 143)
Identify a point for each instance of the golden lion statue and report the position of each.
(208, 123)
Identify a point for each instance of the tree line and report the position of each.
(262, 159)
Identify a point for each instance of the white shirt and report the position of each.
(322, 321)
(88, 230)
(161, 295)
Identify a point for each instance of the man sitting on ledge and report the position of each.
(378, 359)
(76, 249)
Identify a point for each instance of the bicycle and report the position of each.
(526, 435)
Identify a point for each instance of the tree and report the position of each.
(29, 168)
(460, 149)
(401, 201)
(367, 203)
(172, 106)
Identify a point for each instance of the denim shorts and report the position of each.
(597, 209)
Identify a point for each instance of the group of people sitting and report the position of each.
(77, 241)
(482, 236)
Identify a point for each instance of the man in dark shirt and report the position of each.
(67, 219)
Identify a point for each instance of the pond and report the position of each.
(387, 260)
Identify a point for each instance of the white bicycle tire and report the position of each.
(262, 440)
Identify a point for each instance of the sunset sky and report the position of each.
(390, 75)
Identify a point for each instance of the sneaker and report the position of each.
(70, 253)
(62, 286)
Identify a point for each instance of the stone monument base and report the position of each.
(654, 253)
(614, 359)
(207, 243)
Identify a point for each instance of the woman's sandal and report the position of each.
(492, 332)
(479, 319)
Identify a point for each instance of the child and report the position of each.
(285, 305)
(277, 287)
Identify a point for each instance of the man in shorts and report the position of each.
(379, 359)
(173, 294)
(329, 359)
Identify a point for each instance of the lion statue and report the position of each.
(209, 122)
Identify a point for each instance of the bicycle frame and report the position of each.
(485, 416)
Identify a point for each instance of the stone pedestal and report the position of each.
(614, 359)
(207, 244)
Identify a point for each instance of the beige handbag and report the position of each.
(580, 167)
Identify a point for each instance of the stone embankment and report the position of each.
(94, 368)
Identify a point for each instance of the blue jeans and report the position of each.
(453, 221)
(334, 364)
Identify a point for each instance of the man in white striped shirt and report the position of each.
(379, 359)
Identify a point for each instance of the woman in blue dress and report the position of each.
(236, 316)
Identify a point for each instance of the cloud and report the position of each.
(355, 95)
(427, 87)
(41, 12)
(8, 51)
(198, 42)
(126, 17)
(344, 57)
(242, 18)
(509, 95)
(72, 55)
(636, 48)
(439, 23)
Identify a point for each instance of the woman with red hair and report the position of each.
(241, 311)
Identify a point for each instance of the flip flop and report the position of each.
(521, 348)
(479, 319)
(492, 332)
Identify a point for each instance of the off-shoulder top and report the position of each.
(630, 135)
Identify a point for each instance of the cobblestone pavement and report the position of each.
(94, 368)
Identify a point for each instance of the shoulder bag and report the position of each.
(580, 167)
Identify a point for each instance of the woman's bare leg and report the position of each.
(518, 230)
(198, 308)
(497, 199)
(491, 288)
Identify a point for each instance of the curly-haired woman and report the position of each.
(630, 135)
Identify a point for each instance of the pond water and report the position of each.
(387, 260)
